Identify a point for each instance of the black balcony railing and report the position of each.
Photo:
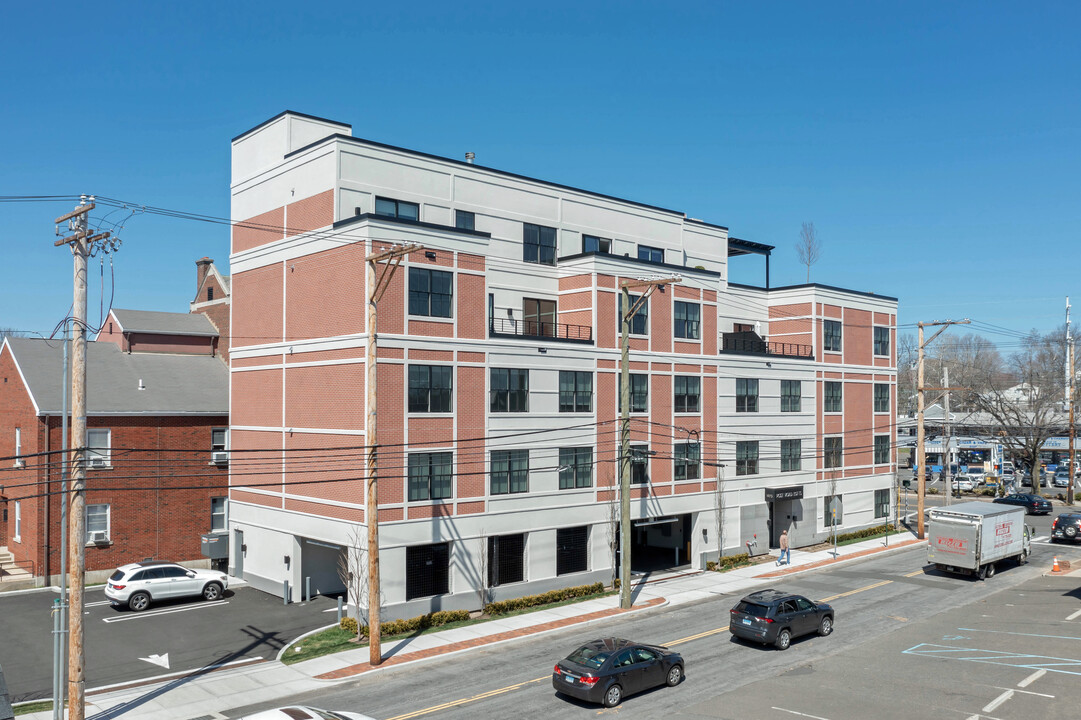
(510, 327)
(751, 344)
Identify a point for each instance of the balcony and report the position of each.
(749, 343)
(549, 331)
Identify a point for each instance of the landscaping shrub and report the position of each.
(552, 596)
(411, 625)
(348, 624)
(865, 533)
(728, 562)
(931, 491)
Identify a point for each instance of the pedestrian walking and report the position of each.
(786, 554)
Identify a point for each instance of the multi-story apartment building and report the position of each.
(754, 409)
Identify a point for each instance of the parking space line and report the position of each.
(1026, 692)
(1010, 632)
(794, 712)
(989, 707)
(98, 603)
(156, 613)
(1032, 678)
(1074, 615)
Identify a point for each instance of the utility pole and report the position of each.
(648, 285)
(947, 480)
(921, 450)
(1070, 401)
(82, 244)
(375, 287)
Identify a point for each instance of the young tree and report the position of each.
(353, 573)
(809, 248)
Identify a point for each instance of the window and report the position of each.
(218, 517)
(592, 243)
(219, 445)
(464, 220)
(572, 550)
(687, 318)
(575, 467)
(397, 209)
(687, 458)
(575, 391)
(430, 292)
(832, 399)
(209, 294)
(97, 523)
(639, 324)
(510, 390)
(791, 395)
(882, 449)
(18, 521)
(747, 457)
(510, 472)
(650, 254)
(639, 393)
(506, 559)
(539, 245)
(882, 341)
(687, 389)
(98, 446)
(427, 570)
(882, 397)
(833, 452)
(833, 511)
(18, 447)
(831, 335)
(430, 388)
(882, 503)
(746, 395)
(540, 317)
(430, 476)
(791, 453)
(639, 464)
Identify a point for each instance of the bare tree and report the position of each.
(483, 591)
(809, 248)
(352, 571)
(611, 527)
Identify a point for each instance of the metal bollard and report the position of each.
(307, 589)
(339, 609)
(285, 592)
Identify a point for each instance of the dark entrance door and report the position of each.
(660, 543)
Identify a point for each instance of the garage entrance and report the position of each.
(660, 543)
(319, 563)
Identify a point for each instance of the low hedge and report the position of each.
(865, 533)
(728, 562)
(503, 607)
(411, 625)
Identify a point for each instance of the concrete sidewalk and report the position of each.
(205, 693)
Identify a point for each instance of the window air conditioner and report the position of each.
(219, 456)
(98, 536)
(97, 461)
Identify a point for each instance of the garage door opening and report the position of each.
(319, 568)
(660, 543)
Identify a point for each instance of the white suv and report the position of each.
(137, 584)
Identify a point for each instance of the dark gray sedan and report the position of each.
(773, 616)
(606, 670)
(1033, 504)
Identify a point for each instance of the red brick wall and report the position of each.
(218, 314)
(259, 230)
(256, 397)
(257, 306)
(324, 396)
(310, 213)
(17, 411)
(311, 281)
(186, 344)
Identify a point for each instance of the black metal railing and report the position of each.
(751, 344)
(540, 329)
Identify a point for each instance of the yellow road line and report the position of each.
(857, 590)
(707, 633)
(914, 574)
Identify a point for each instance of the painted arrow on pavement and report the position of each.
(162, 660)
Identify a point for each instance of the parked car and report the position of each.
(1033, 504)
(1066, 526)
(773, 616)
(963, 483)
(609, 669)
(139, 584)
(977, 475)
(1026, 479)
(1062, 477)
(304, 712)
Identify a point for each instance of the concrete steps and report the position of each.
(10, 573)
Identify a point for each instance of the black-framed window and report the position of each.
(575, 391)
(539, 244)
(506, 559)
(592, 243)
(650, 254)
(833, 510)
(882, 397)
(639, 464)
(747, 457)
(791, 395)
(882, 449)
(539, 316)
(465, 220)
(882, 503)
(431, 292)
(831, 335)
(510, 472)
(833, 452)
(688, 460)
(397, 208)
(431, 476)
(832, 397)
(882, 341)
(509, 390)
(687, 319)
(575, 467)
(687, 393)
(427, 570)
(430, 388)
(639, 393)
(791, 455)
(639, 324)
(746, 395)
(572, 550)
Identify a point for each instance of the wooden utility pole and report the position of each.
(376, 285)
(1070, 401)
(947, 480)
(628, 312)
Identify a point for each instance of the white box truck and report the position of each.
(972, 537)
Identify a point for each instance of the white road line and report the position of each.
(1032, 678)
(156, 613)
(1074, 615)
(182, 673)
(96, 604)
(1042, 538)
(1026, 692)
(989, 707)
(793, 712)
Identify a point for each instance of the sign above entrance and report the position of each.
(786, 493)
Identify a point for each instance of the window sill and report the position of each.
(432, 318)
(106, 543)
(422, 414)
(430, 503)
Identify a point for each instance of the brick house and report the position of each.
(212, 300)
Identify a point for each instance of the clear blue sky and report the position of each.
(934, 145)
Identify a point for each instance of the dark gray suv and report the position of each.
(772, 616)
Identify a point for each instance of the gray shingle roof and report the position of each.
(166, 323)
(174, 384)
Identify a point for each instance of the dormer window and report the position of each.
(209, 294)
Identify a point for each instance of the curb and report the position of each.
(298, 638)
(904, 545)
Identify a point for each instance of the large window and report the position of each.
(687, 391)
(791, 452)
(882, 449)
(639, 393)
(540, 317)
(97, 523)
(882, 397)
(746, 395)
(509, 390)
(397, 208)
(18, 446)
(640, 464)
(18, 521)
(882, 503)
(427, 570)
(687, 458)
(539, 244)
(506, 559)
(882, 341)
(592, 243)
(747, 457)
(791, 395)
(651, 254)
(575, 467)
(430, 476)
(832, 400)
(218, 518)
(831, 335)
(833, 514)
(510, 472)
(430, 388)
(465, 220)
(833, 452)
(98, 448)
(639, 323)
(686, 319)
(430, 292)
(575, 391)
(572, 550)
